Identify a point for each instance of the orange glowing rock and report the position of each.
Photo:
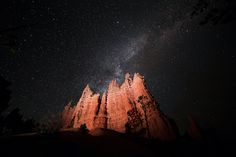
(128, 108)
(67, 116)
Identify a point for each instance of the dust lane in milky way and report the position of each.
(121, 56)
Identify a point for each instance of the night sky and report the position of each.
(60, 46)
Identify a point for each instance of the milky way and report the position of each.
(59, 47)
(119, 57)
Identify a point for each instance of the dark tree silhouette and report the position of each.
(145, 104)
(13, 122)
(83, 129)
(49, 125)
(134, 120)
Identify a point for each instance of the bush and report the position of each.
(49, 125)
(83, 129)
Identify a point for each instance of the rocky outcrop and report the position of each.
(67, 113)
(86, 109)
(128, 108)
(100, 119)
(194, 131)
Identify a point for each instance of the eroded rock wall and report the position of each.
(125, 108)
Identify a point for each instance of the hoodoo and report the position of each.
(128, 108)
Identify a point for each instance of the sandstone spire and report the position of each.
(67, 116)
(86, 109)
(100, 120)
(126, 108)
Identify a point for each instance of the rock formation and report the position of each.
(128, 108)
(67, 116)
(194, 131)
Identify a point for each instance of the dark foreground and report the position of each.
(71, 143)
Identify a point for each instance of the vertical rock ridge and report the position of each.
(100, 120)
(98, 106)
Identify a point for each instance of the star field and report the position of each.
(62, 46)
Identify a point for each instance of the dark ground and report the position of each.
(70, 143)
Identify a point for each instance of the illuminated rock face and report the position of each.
(127, 108)
(67, 116)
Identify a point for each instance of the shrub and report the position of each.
(49, 125)
(83, 129)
